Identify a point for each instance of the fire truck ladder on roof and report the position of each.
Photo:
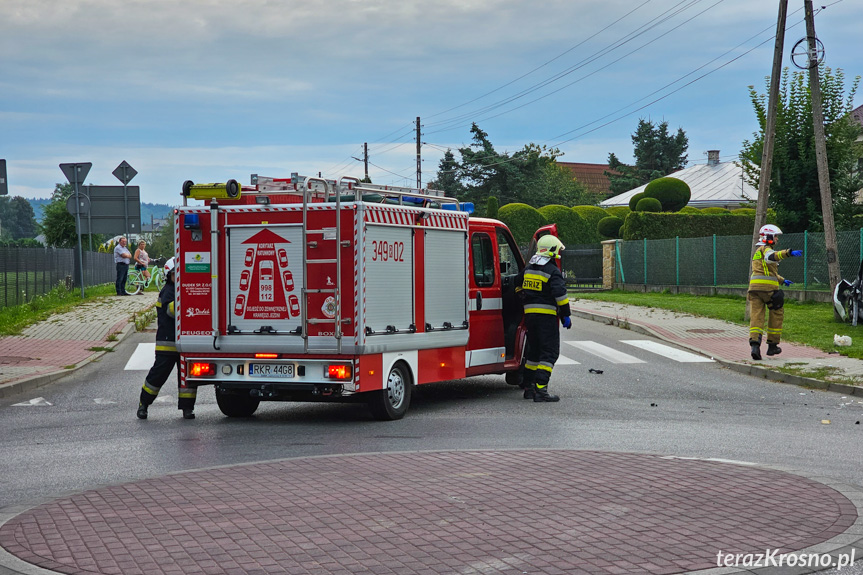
(312, 186)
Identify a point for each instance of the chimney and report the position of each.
(712, 157)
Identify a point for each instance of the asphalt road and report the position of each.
(89, 435)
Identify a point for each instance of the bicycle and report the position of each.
(137, 283)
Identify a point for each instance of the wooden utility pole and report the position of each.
(366, 159)
(419, 158)
(821, 153)
(769, 135)
(770, 126)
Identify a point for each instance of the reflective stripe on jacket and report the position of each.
(542, 289)
(765, 269)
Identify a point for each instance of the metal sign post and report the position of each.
(4, 187)
(77, 173)
(124, 172)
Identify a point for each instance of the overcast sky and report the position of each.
(210, 90)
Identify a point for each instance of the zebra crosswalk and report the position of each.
(142, 358)
(613, 355)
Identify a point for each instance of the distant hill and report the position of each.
(157, 211)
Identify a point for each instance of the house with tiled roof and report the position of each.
(591, 175)
(857, 116)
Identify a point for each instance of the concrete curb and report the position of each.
(746, 368)
(30, 383)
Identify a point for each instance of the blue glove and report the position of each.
(796, 253)
(567, 322)
(787, 282)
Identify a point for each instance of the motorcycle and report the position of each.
(848, 298)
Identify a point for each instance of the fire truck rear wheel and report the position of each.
(235, 404)
(392, 403)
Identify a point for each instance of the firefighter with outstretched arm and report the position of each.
(167, 356)
(764, 292)
(543, 293)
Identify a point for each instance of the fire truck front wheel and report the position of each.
(236, 404)
(392, 402)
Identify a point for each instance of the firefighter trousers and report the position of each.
(158, 375)
(543, 348)
(762, 303)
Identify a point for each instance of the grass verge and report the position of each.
(15, 318)
(809, 323)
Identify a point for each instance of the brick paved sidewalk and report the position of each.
(469, 512)
(48, 350)
(726, 342)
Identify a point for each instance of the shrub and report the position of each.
(571, 227)
(522, 220)
(609, 227)
(633, 201)
(744, 211)
(672, 193)
(714, 211)
(591, 216)
(618, 211)
(648, 204)
(492, 207)
(653, 226)
(689, 210)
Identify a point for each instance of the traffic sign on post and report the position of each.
(4, 187)
(124, 172)
(76, 172)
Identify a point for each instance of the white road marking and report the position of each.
(605, 352)
(142, 357)
(164, 399)
(104, 401)
(563, 360)
(667, 351)
(36, 401)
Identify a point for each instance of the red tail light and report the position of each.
(339, 371)
(266, 356)
(202, 369)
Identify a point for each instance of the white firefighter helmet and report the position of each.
(169, 266)
(549, 246)
(767, 235)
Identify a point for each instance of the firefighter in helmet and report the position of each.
(543, 293)
(167, 356)
(764, 292)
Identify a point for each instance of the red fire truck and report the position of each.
(307, 289)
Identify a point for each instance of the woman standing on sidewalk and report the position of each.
(142, 259)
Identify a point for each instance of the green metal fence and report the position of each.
(725, 260)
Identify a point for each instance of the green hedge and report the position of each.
(610, 227)
(672, 193)
(648, 204)
(522, 220)
(591, 216)
(618, 211)
(654, 226)
(571, 227)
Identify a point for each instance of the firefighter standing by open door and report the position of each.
(167, 356)
(764, 292)
(543, 293)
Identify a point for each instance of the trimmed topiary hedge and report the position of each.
(689, 210)
(672, 193)
(618, 211)
(633, 201)
(522, 220)
(609, 227)
(571, 227)
(648, 204)
(641, 225)
(591, 216)
(714, 211)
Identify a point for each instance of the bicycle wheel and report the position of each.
(134, 282)
(159, 278)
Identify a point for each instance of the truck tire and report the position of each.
(236, 404)
(392, 402)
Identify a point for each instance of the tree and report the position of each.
(58, 224)
(530, 175)
(657, 153)
(162, 244)
(17, 220)
(794, 191)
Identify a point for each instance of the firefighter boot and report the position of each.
(188, 414)
(773, 349)
(142, 411)
(756, 349)
(541, 394)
